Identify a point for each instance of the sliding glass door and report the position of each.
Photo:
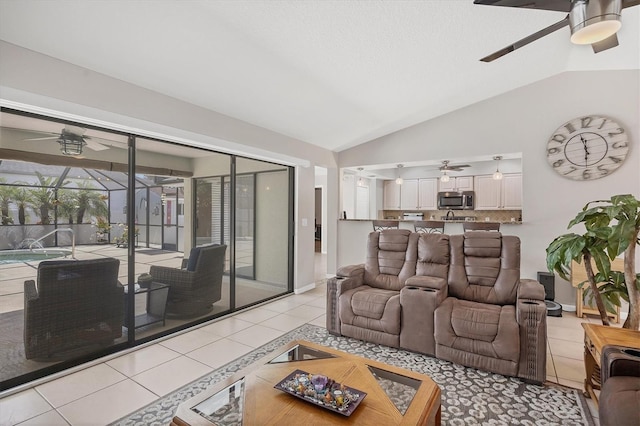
(167, 235)
(262, 212)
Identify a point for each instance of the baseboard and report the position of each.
(305, 288)
(572, 308)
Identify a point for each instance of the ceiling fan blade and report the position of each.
(42, 139)
(557, 5)
(523, 42)
(629, 3)
(96, 146)
(607, 43)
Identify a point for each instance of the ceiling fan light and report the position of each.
(594, 21)
(444, 177)
(71, 144)
(595, 32)
(399, 181)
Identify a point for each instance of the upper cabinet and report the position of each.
(504, 194)
(413, 194)
(391, 196)
(460, 183)
(428, 194)
(409, 195)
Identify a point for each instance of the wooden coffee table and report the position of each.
(595, 338)
(250, 393)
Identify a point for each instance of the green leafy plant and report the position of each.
(21, 198)
(612, 228)
(6, 195)
(43, 197)
(89, 201)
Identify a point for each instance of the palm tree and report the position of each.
(67, 207)
(43, 197)
(21, 198)
(89, 201)
(6, 195)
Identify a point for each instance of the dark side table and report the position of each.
(156, 305)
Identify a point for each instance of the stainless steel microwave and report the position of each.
(464, 200)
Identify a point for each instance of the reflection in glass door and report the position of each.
(262, 212)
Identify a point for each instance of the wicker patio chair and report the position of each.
(198, 285)
(76, 307)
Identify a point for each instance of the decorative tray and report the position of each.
(322, 391)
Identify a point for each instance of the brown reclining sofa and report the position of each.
(459, 298)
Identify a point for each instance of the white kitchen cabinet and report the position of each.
(409, 195)
(428, 194)
(391, 195)
(512, 192)
(460, 183)
(504, 194)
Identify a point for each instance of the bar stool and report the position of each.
(429, 226)
(381, 225)
(481, 226)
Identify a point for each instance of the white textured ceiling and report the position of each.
(332, 73)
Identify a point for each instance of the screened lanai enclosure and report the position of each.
(111, 239)
(39, 199)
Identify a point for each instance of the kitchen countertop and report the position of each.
(505, 222)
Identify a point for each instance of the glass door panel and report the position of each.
(262, 233)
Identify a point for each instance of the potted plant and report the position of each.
(145, 280)
(103, 227)
(612, 228)
(123, 241)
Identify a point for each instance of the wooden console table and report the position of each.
(595, 338)
(579, 275)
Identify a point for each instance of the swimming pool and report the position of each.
(25, 255)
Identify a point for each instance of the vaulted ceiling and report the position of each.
(332, 73)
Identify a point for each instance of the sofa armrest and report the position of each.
(419, 299)
(30, 292)
(423, 281)
(619, 361)
(336, 286)
(531, 315)
(351, 271)
(530, 289)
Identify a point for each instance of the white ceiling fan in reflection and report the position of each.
(72, 141)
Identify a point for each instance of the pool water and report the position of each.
(18, 256)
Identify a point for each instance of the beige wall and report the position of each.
(522, 121)
(41, 84)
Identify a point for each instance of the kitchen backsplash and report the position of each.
(480, 215)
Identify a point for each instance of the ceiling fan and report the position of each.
(593, 22)
(72, 140)
(446, 167)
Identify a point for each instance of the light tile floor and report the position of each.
(131, 381)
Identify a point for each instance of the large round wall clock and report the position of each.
(588, 147)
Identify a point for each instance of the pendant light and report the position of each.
(399, 178)
(360, 181)
(497, 175)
